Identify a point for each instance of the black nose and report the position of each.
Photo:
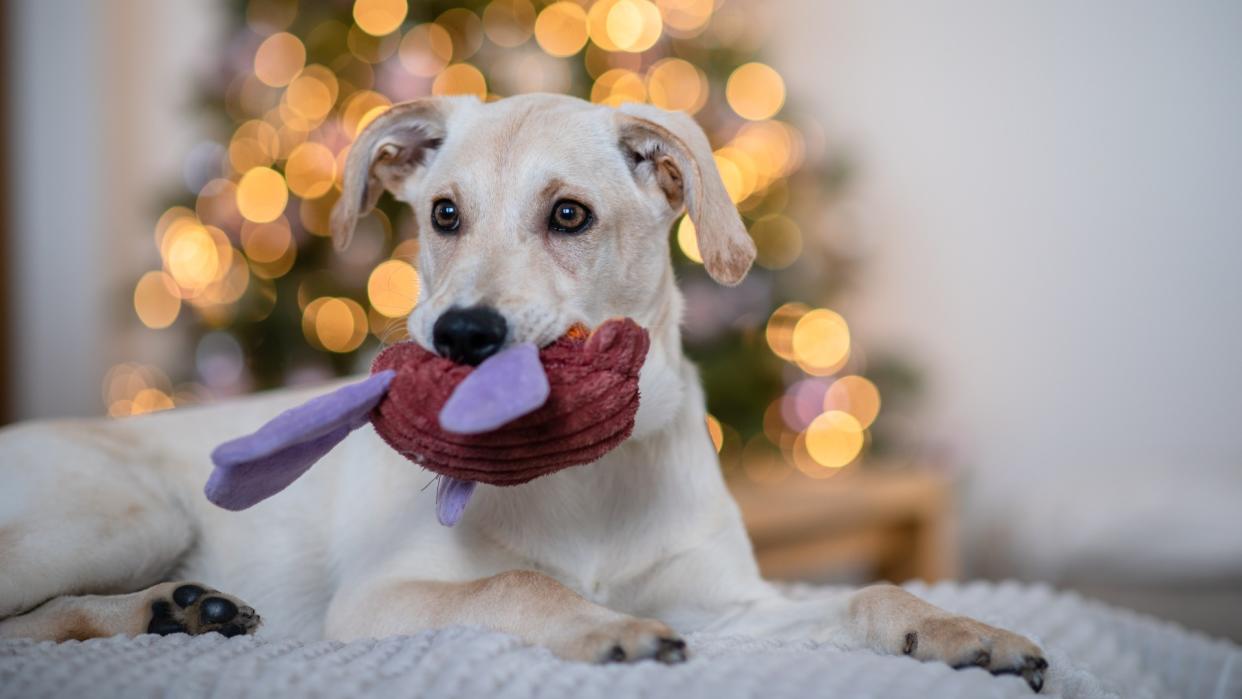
(469, 335)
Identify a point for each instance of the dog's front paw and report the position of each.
(187, 607)
(963, 643)
(624, 640)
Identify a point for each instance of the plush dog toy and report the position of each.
(520, 414)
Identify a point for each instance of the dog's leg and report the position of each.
(80, 514)
(175, 607)
(885, 619)
(526, 604)
(888, 619)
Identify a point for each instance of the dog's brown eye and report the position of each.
(569, 217)
(445, 216)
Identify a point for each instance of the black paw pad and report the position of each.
(912, 643)
(217, 610)
(231, 630)
(162, 621)
(671, 650)
(186, 595)
(616, 655)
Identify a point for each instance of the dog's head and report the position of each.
(540, 211)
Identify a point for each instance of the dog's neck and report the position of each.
(666, 478)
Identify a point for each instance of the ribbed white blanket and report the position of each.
(1094, 651)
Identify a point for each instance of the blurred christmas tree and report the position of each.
(248, 273)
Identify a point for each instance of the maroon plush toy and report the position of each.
(520, 414)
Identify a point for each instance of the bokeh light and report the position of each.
(686, 18)
(675, 84)
(425, 50)
(392, 288)
(688, 240)
(336, 324)
(618, 86)
(715, 432)
(561, 29)
(262, 195)
(157, 300)
(834, 439)
(460, 79)
(380, 17)
(310, 170)
(755, 91)
(780, 328)
(855, 395)
(625, 25)
(509, 23)
(821, 342)
(279, 58)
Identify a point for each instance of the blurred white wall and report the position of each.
(1053, 191)
(101, 93)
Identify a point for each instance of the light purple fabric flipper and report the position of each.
(452, 495)
(255, 467)
(506, 386)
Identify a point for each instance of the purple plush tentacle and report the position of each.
(255, 467)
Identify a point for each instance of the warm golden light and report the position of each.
(335, 324)
(624, 25)
(425, 50)
(618, 86)
(834, 439)
(192, 256)
(676, 84)
(686, 18)
(150, 400)
(755, 91)
(780, 329)
(392, 288)
(310, 170)
(715, 432)
(157, 300)
(254, 144)
(561, 28)
(380, 17)
(854, 395)
(736, 180)
(821, 342)
(688, 240)
(262, 195)
(460, 79)
(778, 240)
(266, 242)
(279, 58)
(508, 23)
(360, 108)
(311, 95)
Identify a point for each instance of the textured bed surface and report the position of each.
(1094, 650)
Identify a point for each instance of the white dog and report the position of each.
(539, 210)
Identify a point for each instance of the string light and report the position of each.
(380, 17)
(262, 195)
(460, 79)
(561, 29)
(392, 288)
(279, 59)
(755, 91)
(688, 240)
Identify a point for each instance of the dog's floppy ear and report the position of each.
(670, 149)
(385, 154)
